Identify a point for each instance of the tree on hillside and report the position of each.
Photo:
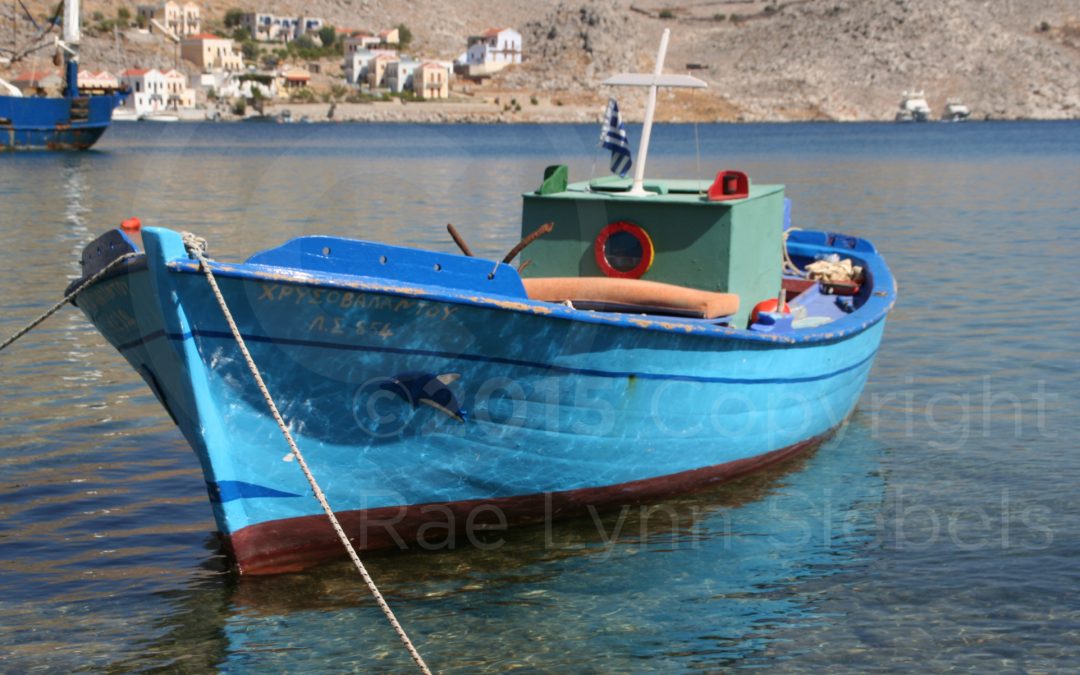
(233, 17)
(404, 36)
(327, 34)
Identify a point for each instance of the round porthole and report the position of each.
(623, 250)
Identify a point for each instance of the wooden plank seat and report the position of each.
(634, 295)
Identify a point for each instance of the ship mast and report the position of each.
(653, 82)
(72, 34)
(70, 45)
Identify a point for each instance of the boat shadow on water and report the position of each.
(775, 534)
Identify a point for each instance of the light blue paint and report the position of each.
(558, 399)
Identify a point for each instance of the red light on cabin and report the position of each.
(729, 185)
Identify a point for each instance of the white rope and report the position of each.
(834, 270)
(789, 264)
(196, 247)
(55, 308)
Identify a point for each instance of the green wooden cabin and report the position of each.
(732, 245)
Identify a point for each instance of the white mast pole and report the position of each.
(654, 81)
(71, 23)
(638, 188)
(70, 45)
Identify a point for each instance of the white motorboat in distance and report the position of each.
(955, 112)
(913, 107)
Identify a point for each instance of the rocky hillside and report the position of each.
(763, 59)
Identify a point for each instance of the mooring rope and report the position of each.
(196, 247)
(67, 298)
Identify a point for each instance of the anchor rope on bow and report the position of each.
(196, 247)
(67, 298)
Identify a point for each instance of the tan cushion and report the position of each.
(632, 292)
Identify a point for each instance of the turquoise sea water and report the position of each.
(939, 529)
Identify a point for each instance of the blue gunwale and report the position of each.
(882, 297)
(452, 356)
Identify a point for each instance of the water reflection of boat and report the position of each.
(704, 580)
(438, 388)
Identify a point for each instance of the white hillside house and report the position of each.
(399, 74)
(359, 41)
(493, 50)
(274, 28)
(154, 91)
(227, 85)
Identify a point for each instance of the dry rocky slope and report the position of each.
(763, 59)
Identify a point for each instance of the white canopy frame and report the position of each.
(653, 82)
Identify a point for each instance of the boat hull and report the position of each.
(40, 123)
(424, 413)
(294, 544)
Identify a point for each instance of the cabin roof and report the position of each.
(689, 192)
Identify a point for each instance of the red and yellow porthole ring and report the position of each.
(624, 272)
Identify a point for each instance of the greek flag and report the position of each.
(613, 138)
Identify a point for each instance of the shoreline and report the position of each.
(316, 113)
(545, 111)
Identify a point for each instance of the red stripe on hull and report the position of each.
(294, 544)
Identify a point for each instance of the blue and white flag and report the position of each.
(613, 138)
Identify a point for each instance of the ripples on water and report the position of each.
(938, 529)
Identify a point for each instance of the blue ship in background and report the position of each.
(68, 122)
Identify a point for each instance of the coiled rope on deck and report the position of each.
(196, 247)
(67, 298)
(789, 265)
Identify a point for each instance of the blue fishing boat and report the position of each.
(69, 122)
(663, 336)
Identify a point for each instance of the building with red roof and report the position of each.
(432, 80)
(154, 90)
